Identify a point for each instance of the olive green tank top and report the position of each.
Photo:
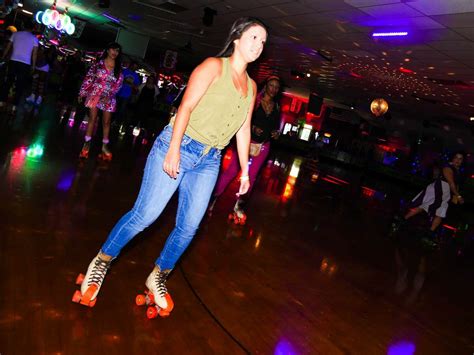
(221, 111)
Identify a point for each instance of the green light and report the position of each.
(35, 151)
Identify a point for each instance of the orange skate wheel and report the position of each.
(151, 312)
(86, 297)
(79, 279)
(76, 298)
(140, 300)
(151, 298)
(163, 313)
(231, 216)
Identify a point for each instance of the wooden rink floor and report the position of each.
(312, 272)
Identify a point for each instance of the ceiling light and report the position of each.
(389, 34)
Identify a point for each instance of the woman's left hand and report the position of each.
(244, 187)
(275, 134)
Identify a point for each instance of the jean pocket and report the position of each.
(165, 135)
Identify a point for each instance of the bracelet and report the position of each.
(244, 178)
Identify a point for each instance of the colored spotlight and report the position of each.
(35, 151)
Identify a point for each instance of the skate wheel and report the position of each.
(79, 279)
(231, 217)
(86, 297)
(151, 312)
(140, 300)
(163, 313)
(76, 298)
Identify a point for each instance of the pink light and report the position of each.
(447, 226)
(332, 181)
(337, 179)
(368, 191)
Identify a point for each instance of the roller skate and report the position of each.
(238, 216)
(430, 240)
(157, 298)
(85, 150)
(106, 154)
(91, 282)
(397, 223)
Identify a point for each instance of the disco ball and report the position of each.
(379, 107)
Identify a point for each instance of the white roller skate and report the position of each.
(91, 282)
(157, 298)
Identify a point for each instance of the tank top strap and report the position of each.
(249, 86)
(225, 67)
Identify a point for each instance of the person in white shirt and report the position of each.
(22, 62)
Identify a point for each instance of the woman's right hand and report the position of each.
(171, 163)
(79, 99)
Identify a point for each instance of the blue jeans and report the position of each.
(198, 174)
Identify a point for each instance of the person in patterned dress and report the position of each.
(98, 90)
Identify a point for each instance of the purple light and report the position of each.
(389, 34)
(111, 18)
(401, 348)
(284, 347)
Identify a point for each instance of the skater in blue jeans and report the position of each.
(218, 104)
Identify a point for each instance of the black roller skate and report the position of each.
(106, 154)
(85, 150)
(238, 216)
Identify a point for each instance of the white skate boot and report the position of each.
(91, 282)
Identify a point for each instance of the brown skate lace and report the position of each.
(98, 272)
(160, 279)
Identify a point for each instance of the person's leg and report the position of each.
(90, 130)
(256, 165)
(22, 76)
(93, 111)
(155, 192)
(194, 195)
(4, 91)
(228, 175)
(34, 88)
(42, 78)
(436, 222)
(413, 212)
(106, 117)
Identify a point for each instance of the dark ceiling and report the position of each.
(430, 71)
